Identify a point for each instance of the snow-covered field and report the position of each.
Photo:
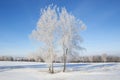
(75, 71)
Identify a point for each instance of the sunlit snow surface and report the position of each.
(75, 71)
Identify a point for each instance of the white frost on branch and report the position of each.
(56, 25)
(70, 30)
(45, 30)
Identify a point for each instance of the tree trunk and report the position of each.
(52, 70)
(65, 59)
(51, 67)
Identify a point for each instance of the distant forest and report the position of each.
(73, 59)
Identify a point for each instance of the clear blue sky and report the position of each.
(19, 17)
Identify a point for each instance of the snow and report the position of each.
(75, 71)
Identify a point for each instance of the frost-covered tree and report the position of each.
(57, 25)
(35, 56)
(104, 57)
(70, 34)
(90, 58)
(45, 31)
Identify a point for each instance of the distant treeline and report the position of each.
(97, 58)
(10, 58)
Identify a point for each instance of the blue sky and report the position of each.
(19, 17)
